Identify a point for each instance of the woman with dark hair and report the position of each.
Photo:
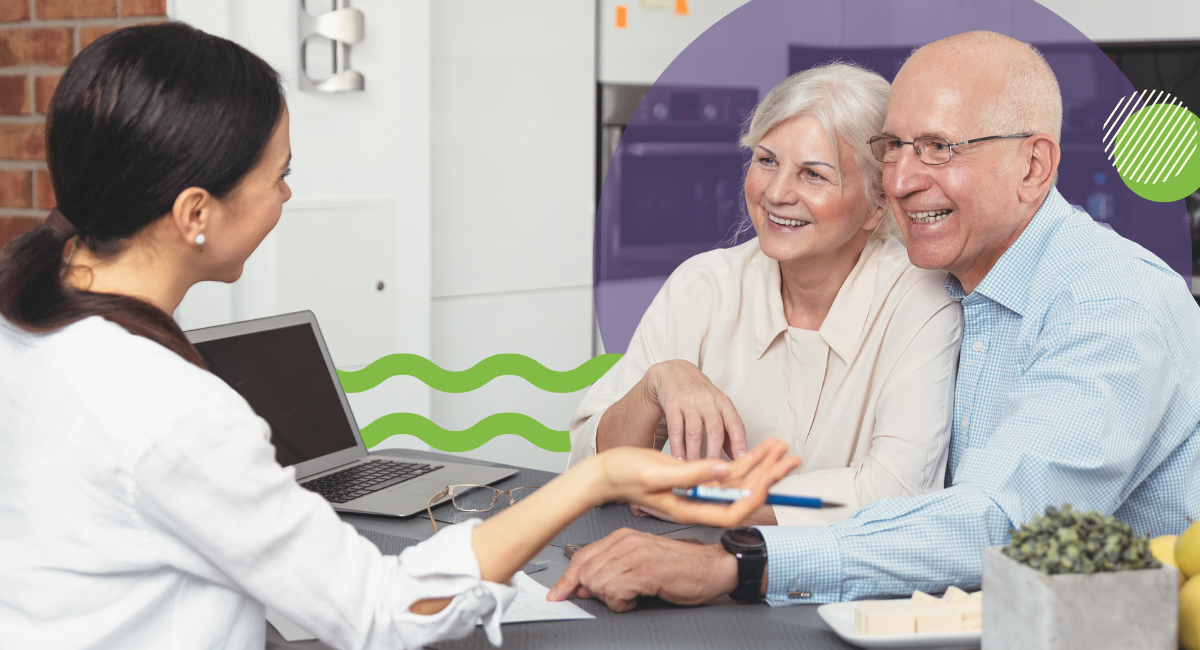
(140, 499)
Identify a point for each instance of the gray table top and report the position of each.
(654, 624)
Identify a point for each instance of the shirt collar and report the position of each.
(843, 325)
(769, 320)
(1008, 281)
(954, 288)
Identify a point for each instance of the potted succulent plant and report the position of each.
(1078, 580)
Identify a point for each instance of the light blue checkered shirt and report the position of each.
(1078, 382)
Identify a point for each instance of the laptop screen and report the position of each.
(283, 376)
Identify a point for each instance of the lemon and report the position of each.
(1189, 615)
(1163, 549)
(1187, 551)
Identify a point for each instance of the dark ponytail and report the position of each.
(139, 116)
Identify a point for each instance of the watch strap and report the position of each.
(750, 563)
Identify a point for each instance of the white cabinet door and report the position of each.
(337, 258)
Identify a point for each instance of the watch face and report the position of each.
(745, 538)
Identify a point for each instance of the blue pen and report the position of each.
(729, 495)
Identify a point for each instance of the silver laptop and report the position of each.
(283, 369)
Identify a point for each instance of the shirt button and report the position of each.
(978, 346)
(966, 421)
(478, 591)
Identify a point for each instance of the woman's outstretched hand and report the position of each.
(646, 478)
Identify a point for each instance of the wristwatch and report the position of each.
(747, 545)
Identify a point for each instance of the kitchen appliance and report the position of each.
(670, 171)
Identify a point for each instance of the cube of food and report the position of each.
(940, 617)
(883, 617)
(956, 595)
(978, 595)
(921, 598)
(970, 609)
(972, 624)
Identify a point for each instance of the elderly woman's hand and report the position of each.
(695, 411)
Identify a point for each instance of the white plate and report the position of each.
(840, 617)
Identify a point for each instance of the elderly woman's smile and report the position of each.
(799, 223)
(805, 202)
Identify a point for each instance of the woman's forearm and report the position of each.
(631, 421)
(505, 542)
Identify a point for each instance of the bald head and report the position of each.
(1006, 85)
(962, 215)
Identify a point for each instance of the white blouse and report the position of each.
(141, 507)
(866, 401)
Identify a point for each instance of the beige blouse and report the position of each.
(866, 401)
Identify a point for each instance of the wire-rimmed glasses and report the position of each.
(931, 149)
(475, 498)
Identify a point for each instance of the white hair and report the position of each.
(848, 101)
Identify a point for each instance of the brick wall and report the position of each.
(38, 38)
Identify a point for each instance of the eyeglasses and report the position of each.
(930, 149)
(475, 498)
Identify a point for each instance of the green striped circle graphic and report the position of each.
(1157, 152)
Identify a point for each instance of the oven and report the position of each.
(670, 181)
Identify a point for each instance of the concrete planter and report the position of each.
(1024, 609)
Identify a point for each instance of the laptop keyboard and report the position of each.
(361, 480)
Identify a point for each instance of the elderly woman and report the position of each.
(819, 331)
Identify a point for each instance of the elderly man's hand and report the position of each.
(627, 565)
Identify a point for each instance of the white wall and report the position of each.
(513, 184)
(211, 16)
(1121, 20)
(513, 134)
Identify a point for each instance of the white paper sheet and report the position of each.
(529, 605)
(287, 629)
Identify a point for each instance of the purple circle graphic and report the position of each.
(673, 188)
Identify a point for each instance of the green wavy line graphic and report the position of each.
(474, 437)
(464, 381)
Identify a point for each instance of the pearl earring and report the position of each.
(200, 239)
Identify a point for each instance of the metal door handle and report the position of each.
(344, 26)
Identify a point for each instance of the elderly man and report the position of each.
(1077, 381)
